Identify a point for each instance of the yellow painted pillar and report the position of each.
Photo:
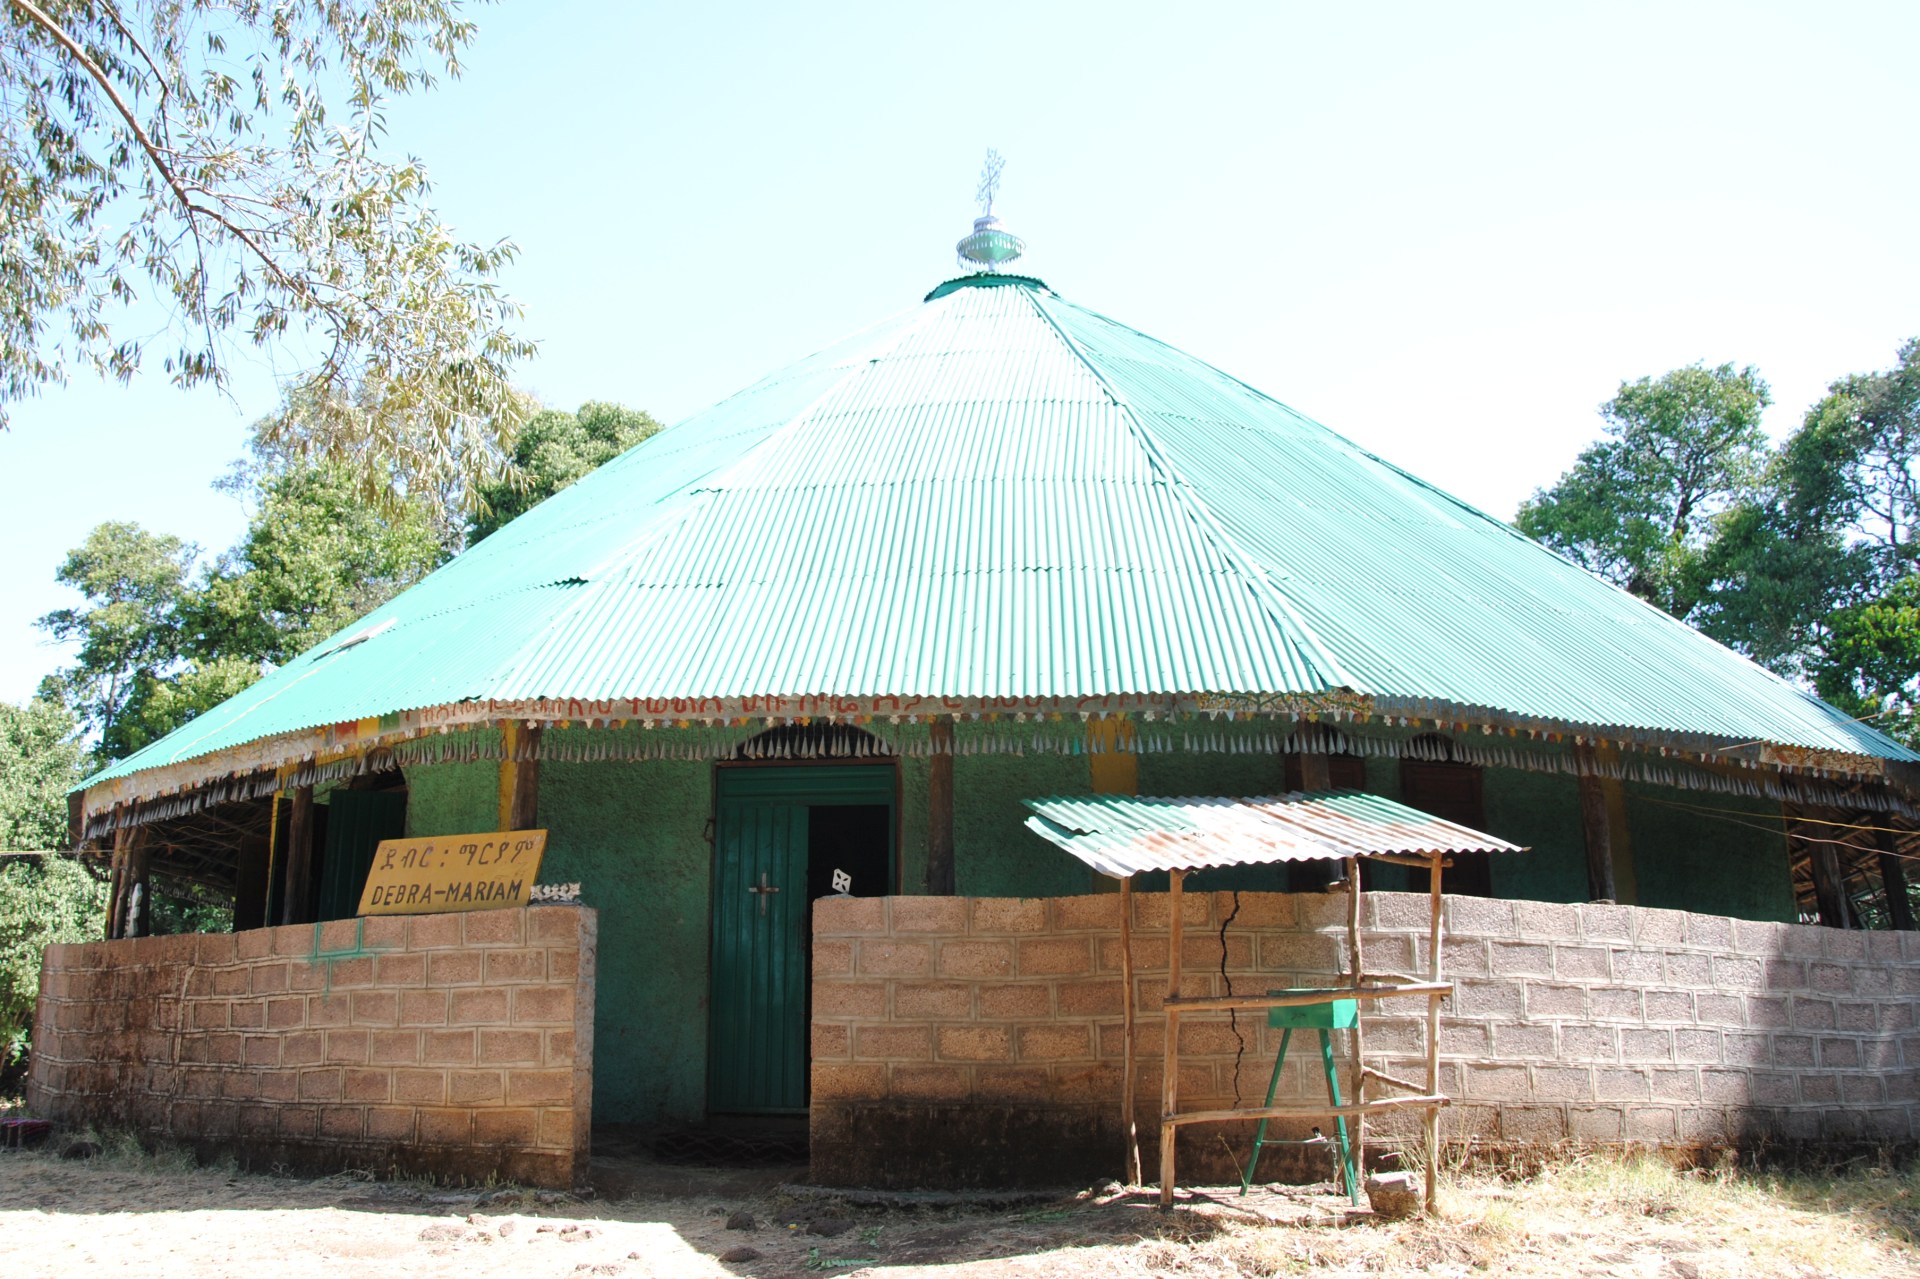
(519, 778)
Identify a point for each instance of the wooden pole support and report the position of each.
(1435, 941)
(1355, 966)
(298, 897)
(1170, 1056)
(251, 874)
(1393, 1081)
(1298, 998)
(116, 885)
(1829, 886)
(1595, 826)
(137, 921)
(1128, 1071)
(1893, 881)
(524, 808)
(1300, 1110)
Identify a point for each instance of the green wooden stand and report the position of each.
(1340, 1014)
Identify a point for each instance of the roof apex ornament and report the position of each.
(991, 246)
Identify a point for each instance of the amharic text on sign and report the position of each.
(453, 872)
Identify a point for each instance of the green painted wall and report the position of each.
(453, 799)
(1732, 861)
(634, 835)
(994, 854)
(1540, 812)
(1177, 773)
(913, 824)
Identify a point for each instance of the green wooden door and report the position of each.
(757, 1046)
(759, 967)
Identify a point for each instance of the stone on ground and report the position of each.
(1393, 1194)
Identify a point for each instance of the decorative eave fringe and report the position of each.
(1230, 732)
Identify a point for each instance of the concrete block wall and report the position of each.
(971, 1041)
(456, 1045)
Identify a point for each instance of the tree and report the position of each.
(446, 473)
(43, 901)
(1846, 498)
(1772, 575)
(163, 639)
(213, 171)
(553, 450)
(164, 700)
(1640, 506)
(1852, 463)
(129, 633)
(40, 761)
(1805, 557)
(1868, 662)
(315, 558)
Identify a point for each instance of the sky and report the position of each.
(1447, 232)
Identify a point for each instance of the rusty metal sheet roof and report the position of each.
(1122, 835)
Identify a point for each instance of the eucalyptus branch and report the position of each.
(309, 232)
(79, 54)
(119, 24)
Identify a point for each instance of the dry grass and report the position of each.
(138, 1211)
(1599, 1216)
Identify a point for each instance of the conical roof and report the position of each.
(1000, 494)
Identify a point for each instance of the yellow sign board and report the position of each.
(453, 872)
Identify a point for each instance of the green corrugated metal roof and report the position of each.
(1000, 493)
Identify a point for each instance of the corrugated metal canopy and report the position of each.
(1003, 494)
(1122, 835)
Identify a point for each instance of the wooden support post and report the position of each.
(1596, 827)
(1829, 887)
(940, 877)
(1893, 880)
(523, 809)
(509, 775)
(1355, 968)
(117, 884)
(1170, 1056)
(1127, 1001)
(1435, 938)
(297, 899)
(137, 921)
(276, 862)
(1298, 1110)
(1303, 997)
(251, 871)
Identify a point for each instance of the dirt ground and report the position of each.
(127, 1212)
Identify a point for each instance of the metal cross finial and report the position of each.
(989, 181)
(762, 890)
